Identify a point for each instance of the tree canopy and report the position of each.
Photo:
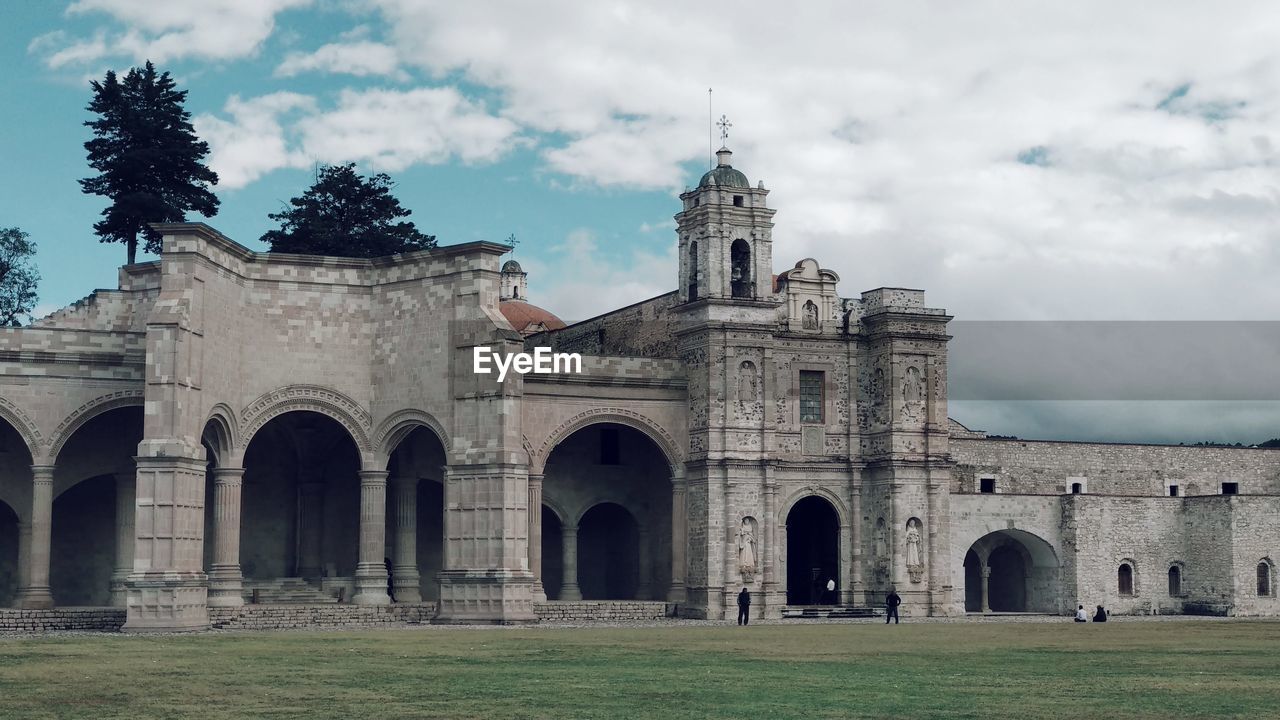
(346, 214)
(149, 161)
(18, 277)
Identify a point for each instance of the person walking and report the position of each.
(744, 607)
(891, 604)
(1082, 615)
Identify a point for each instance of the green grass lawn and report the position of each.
(1059, 670)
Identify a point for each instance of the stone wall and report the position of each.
(107, 619)
(645, 329)
(602, 611)
(287, 617)
(1043, 467)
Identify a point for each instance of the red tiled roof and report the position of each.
(522, 315)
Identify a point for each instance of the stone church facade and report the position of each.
(230, 427)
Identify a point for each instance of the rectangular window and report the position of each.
(1173, 491)
(1230, 488)
(987, 485)
(737, 201)
(609, 454)
(812, 390)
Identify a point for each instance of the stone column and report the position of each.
(986, 575)
(644, 589)
(846, 559)
(772, 598)
(24, 558)
(679, 541)
(535, 537)
(938, 575)
(405, 580)
(569, 588)
(36, 594)
(226, 584)
(859, 596)
(124, 537)
(311, 530)
(371, 571)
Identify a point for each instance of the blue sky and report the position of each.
(1045, 161)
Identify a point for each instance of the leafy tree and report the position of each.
(149, 160)
(1272, 443)
(18, 278)
(348, 215)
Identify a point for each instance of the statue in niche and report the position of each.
(915, 558)
(747, 383)
(747, 548)
(810, 315)
(911, 391)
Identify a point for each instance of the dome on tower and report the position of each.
(511, 266)
(723, 174)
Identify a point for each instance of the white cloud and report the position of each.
(387, 130)
(169, 30)
(364, 58)
(891, 135)
(252, 143)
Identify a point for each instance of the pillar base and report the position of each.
(226, 587)
(406, 584)
(167, 601)
(570, 591)
(371, 585)
(119, 594)
(35, 598)
(491, 597)
(539, 593)
(677, 594)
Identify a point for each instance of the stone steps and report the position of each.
(830, 612)
(286, 591)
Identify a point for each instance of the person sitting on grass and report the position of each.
(1081, 615)
(1100, 616)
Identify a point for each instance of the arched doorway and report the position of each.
(613, 471)
(609, 554)
(552, 554)
(416, 490)
(300, 510)
(813, 552)
(91, 543)
(15, 493)
(1011, 571)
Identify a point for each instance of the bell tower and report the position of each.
(726, 237)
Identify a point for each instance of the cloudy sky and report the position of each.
(1085, 161)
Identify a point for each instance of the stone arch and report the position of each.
(1266, 577)
(1177, 578)
(1127, 566)
(1021, 568)
(11, 413)
(221, 432)
(398, 425)
(619, 416)
(312, 398)
(87, 412)
(841, 513)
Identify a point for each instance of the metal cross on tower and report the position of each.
(724, 124)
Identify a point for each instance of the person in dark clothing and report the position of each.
(891, 604)
(1100, 616)
(390, 593)
(744, 607)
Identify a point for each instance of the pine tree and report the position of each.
(18, 278)
(347, 215)
(149, 160)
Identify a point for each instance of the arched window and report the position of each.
(1175, 581)
(1125, 576)
(1265, 586)
(740, 259)
(1077, 488)
(693, 270)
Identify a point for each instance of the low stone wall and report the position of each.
(104, 619)
(286, 617)
(601, 610)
